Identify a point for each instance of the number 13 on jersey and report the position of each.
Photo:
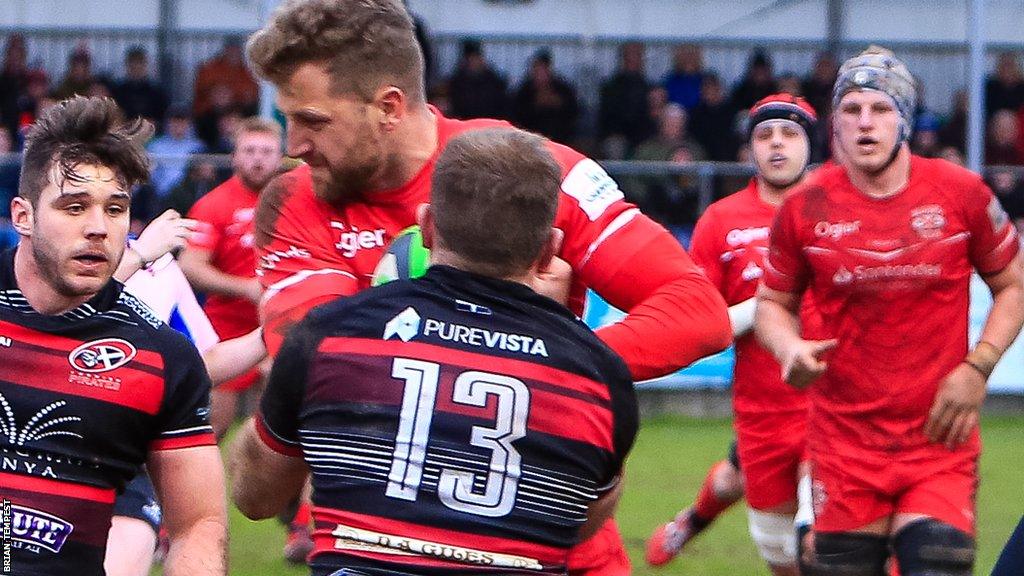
(455, 487)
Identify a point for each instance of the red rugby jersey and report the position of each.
(890, 277)
(730, 243)
(225, 217)
(311, 252)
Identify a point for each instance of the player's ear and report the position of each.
(550, 248)
(22, 216)
(425, 220)
(391, 102)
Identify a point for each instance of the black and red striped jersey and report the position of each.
(84, 397)
(453, 424)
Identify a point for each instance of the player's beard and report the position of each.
(255, 180)
(343, 186)
(356, 174)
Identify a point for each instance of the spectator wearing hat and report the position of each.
(137, 94)
(178, 142)
(925, 141)
(757, 83)
(545, 103)
(476, 90)
(623, 104)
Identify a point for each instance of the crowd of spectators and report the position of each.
(687, 115)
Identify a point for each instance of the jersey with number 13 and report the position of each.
(451, 423)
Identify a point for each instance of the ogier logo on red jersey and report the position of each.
(102, 355)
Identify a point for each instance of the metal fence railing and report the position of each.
(585, 61)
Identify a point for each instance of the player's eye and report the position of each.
(74, 209)
(116, 209)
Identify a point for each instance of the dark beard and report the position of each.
(345, 186)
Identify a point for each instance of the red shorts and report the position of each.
(226, 329)
(853, 488)
(603, 554)
(771, 447)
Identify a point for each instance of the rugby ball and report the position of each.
(404, 259)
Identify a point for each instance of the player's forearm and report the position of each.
(777, 327)
(679, 323)
(232, 358)
(257, 489)
(1006, 317)
(201, 550)
(206, 278)
(741, 317)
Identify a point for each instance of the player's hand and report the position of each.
(554, 281)
(804, 361)
(954, 413)
(167, 232)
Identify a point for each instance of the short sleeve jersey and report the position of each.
(225, 230)
(84, 397)
(730, 243)
(890, 277)
(453, 424)
(311, 252)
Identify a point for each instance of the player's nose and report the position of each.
(96, 223)
(865, 119)
(296, 143)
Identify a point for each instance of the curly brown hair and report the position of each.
(362, 44)
(80, 131)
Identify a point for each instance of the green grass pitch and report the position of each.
(664, 472)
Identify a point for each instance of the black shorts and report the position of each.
(139, 501)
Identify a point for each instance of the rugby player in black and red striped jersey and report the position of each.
(92, 384)
(460, 423)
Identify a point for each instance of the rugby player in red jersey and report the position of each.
(730, 243)
(885, 242)
(349, 76)
(502, 421)
(220, 259)
(93, 384)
